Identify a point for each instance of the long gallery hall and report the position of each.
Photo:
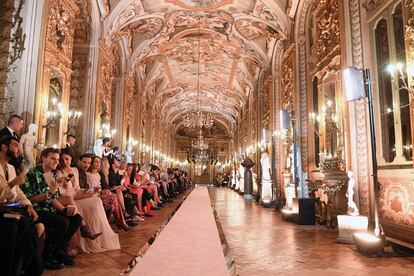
(206, 137)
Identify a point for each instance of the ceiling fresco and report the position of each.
(186, 48)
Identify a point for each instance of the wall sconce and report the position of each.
(396, 71)
(73, 120)
(54, 114)
(315, 120)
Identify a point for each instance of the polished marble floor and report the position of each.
(114, 262)
(261, 243)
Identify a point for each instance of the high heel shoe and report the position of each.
(86, 232)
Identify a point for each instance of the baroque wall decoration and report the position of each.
(57, 64)
(77, 89)
(104, 88)
(12, 44)
(83, 22)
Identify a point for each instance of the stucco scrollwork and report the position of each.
(104, 89)
(60, 25)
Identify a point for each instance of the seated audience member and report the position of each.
(109, 200)
(122, 168)
(18, 237)
(69, 190)
(155, 178)
(141, 190)
(124, 195)
(42, 188)
(172, 183)
(90, 207)
(164, 185)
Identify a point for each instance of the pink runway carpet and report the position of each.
(189, 244)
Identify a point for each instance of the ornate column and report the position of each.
(104, 88)
(358, 113)
(128, 109)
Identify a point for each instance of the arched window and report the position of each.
(393, 102)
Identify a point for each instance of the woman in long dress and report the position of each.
(90, 206)
(110, 201)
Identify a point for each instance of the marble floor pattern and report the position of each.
(115, 261)
(261, 243)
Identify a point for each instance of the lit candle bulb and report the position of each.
(264, 136)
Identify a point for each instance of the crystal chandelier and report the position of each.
(201, 155)
(200, 143)
(198, 119)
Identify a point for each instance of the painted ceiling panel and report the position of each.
(189, 51)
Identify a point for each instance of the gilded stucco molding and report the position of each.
(360, 110)
(303, 116)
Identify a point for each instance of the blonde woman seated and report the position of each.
(95, 179)
(89, 205)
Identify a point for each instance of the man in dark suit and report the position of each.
(70, 146)
(14, 125)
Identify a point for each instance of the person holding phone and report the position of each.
(18, 236)
(61, 220)
(90, 207)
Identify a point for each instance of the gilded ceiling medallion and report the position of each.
(200, 4)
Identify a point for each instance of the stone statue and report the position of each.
(265, 162)
(266, 192)
(352, 208)
(128, 154)
(240, 183)
(98, 148)
(28, 142)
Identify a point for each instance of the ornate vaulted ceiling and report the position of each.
(164, 41)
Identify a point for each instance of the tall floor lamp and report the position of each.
(358, 85)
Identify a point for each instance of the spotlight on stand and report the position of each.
(368, 243)
(358, 85)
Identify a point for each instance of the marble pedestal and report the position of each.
(290, 194)
(266, 196)
(348, 225)
(248, 184)
(241, 185)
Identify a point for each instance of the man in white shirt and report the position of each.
(18, 236)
